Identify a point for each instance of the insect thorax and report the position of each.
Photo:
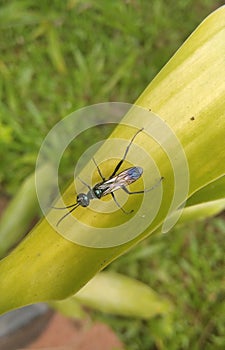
(97, 193)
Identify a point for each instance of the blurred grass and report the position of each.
(56, 59)
(191, 275)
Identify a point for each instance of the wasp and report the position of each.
(110, 185)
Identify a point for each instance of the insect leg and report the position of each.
(129, 192)
(84, 183)
(118, 205)
(143, 191)
(125, 154)
(99, 171)
(64, 216)
(66, 207)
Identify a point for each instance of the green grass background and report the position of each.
(57, 56)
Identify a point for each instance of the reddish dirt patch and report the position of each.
(62, 334)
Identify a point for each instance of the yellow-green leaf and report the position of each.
(120, 295)
(189, 95)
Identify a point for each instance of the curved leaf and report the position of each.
(189, 94)
(117, 294)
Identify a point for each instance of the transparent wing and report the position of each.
(125, 178)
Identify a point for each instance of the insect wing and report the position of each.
(129, 175)
(125, 178)
(110, 186)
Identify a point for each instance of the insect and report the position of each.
(110, 185)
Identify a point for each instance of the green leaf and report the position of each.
(201, 211)
(189, 95)
(69, 308)
(120, 295)
(17, 217)
(213, 191)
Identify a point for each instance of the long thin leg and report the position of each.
(143, 191)
(66, 207)
(118, 205)
(84, 183)
(99, 171)
(129, 192)
(74, 204)
(125, 154)
(64, 216)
